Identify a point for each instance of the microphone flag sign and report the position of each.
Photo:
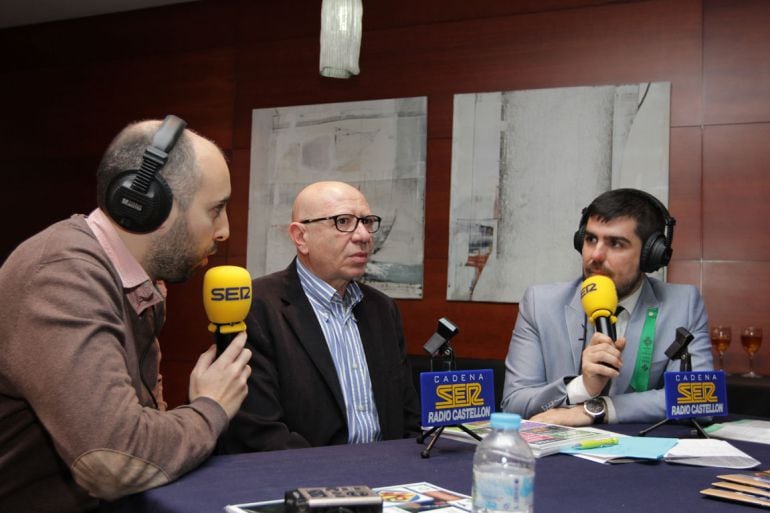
(695, 394)
(456, 397)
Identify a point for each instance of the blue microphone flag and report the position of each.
(695, 394)
(456, 397)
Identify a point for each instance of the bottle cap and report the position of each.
(505, 420)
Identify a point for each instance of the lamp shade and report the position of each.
(340, 37)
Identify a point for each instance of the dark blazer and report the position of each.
(295, 398)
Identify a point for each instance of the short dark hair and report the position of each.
(633, 203)
(125, 152)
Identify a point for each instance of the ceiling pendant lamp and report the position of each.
(340, 37)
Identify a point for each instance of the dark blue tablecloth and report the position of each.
(562, 483)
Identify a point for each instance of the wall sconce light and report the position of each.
(340, 37)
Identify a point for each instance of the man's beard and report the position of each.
(626, 289)
(174, 256)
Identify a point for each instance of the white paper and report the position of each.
(747, 430)
(709, 453)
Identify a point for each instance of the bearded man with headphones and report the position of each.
(82, 415)
(560, 370)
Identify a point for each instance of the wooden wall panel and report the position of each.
(79, 110)
(736, 192)
(291, 19)
(685, 194)
(38, 191)
(736, 61)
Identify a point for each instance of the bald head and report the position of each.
(323, 197)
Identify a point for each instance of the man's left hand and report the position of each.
(575, 417)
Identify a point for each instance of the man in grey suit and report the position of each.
(560, 371)
(329, 362)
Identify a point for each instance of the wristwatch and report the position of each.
(596, 408)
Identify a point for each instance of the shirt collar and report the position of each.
(323, 293)
(141, 292)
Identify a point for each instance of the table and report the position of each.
(562, 483)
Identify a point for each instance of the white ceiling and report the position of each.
(27, 12)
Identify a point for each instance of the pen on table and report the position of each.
(595, 444)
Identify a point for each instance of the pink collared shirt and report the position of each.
(140, 290)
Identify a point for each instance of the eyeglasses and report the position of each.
(348, 222)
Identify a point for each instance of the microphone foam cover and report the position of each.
(227, 297)
(599, 297)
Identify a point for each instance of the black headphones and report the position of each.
(656, 250)
(140, 200)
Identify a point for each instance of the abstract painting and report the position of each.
(524, 165)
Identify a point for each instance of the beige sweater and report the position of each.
(76, 421)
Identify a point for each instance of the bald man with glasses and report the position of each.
(329, 362)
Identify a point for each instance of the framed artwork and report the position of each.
(377, 146)
(525, 164)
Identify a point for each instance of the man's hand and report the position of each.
(223, 379)
(601, 362)
(575, 417)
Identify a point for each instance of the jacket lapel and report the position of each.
(578, 333)
(646, 301)
(302, 319)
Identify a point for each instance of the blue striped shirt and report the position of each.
(340, 328)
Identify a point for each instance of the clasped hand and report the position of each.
(223, 379)
(601, 362)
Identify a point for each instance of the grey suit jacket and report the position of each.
(548, 341)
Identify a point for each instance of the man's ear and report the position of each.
(298, 234)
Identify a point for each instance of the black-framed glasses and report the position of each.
(348, 222)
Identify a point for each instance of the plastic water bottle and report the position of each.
(503, 469)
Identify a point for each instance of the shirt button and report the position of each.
(360, 408)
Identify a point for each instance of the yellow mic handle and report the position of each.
(235, 327)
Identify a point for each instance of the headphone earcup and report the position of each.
(577, 240)
(135, 211)
(655, 253)
(580, 234)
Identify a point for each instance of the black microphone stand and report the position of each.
(449, 364)
(678, 350)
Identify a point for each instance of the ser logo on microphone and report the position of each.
(230, 293)
(589, 287)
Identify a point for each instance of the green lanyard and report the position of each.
(640, 380)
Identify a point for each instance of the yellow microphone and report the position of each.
(600, 300)
(226, 299)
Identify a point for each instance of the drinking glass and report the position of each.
(751, 339)
(720, 341)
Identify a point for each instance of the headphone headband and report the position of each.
(156, 155)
